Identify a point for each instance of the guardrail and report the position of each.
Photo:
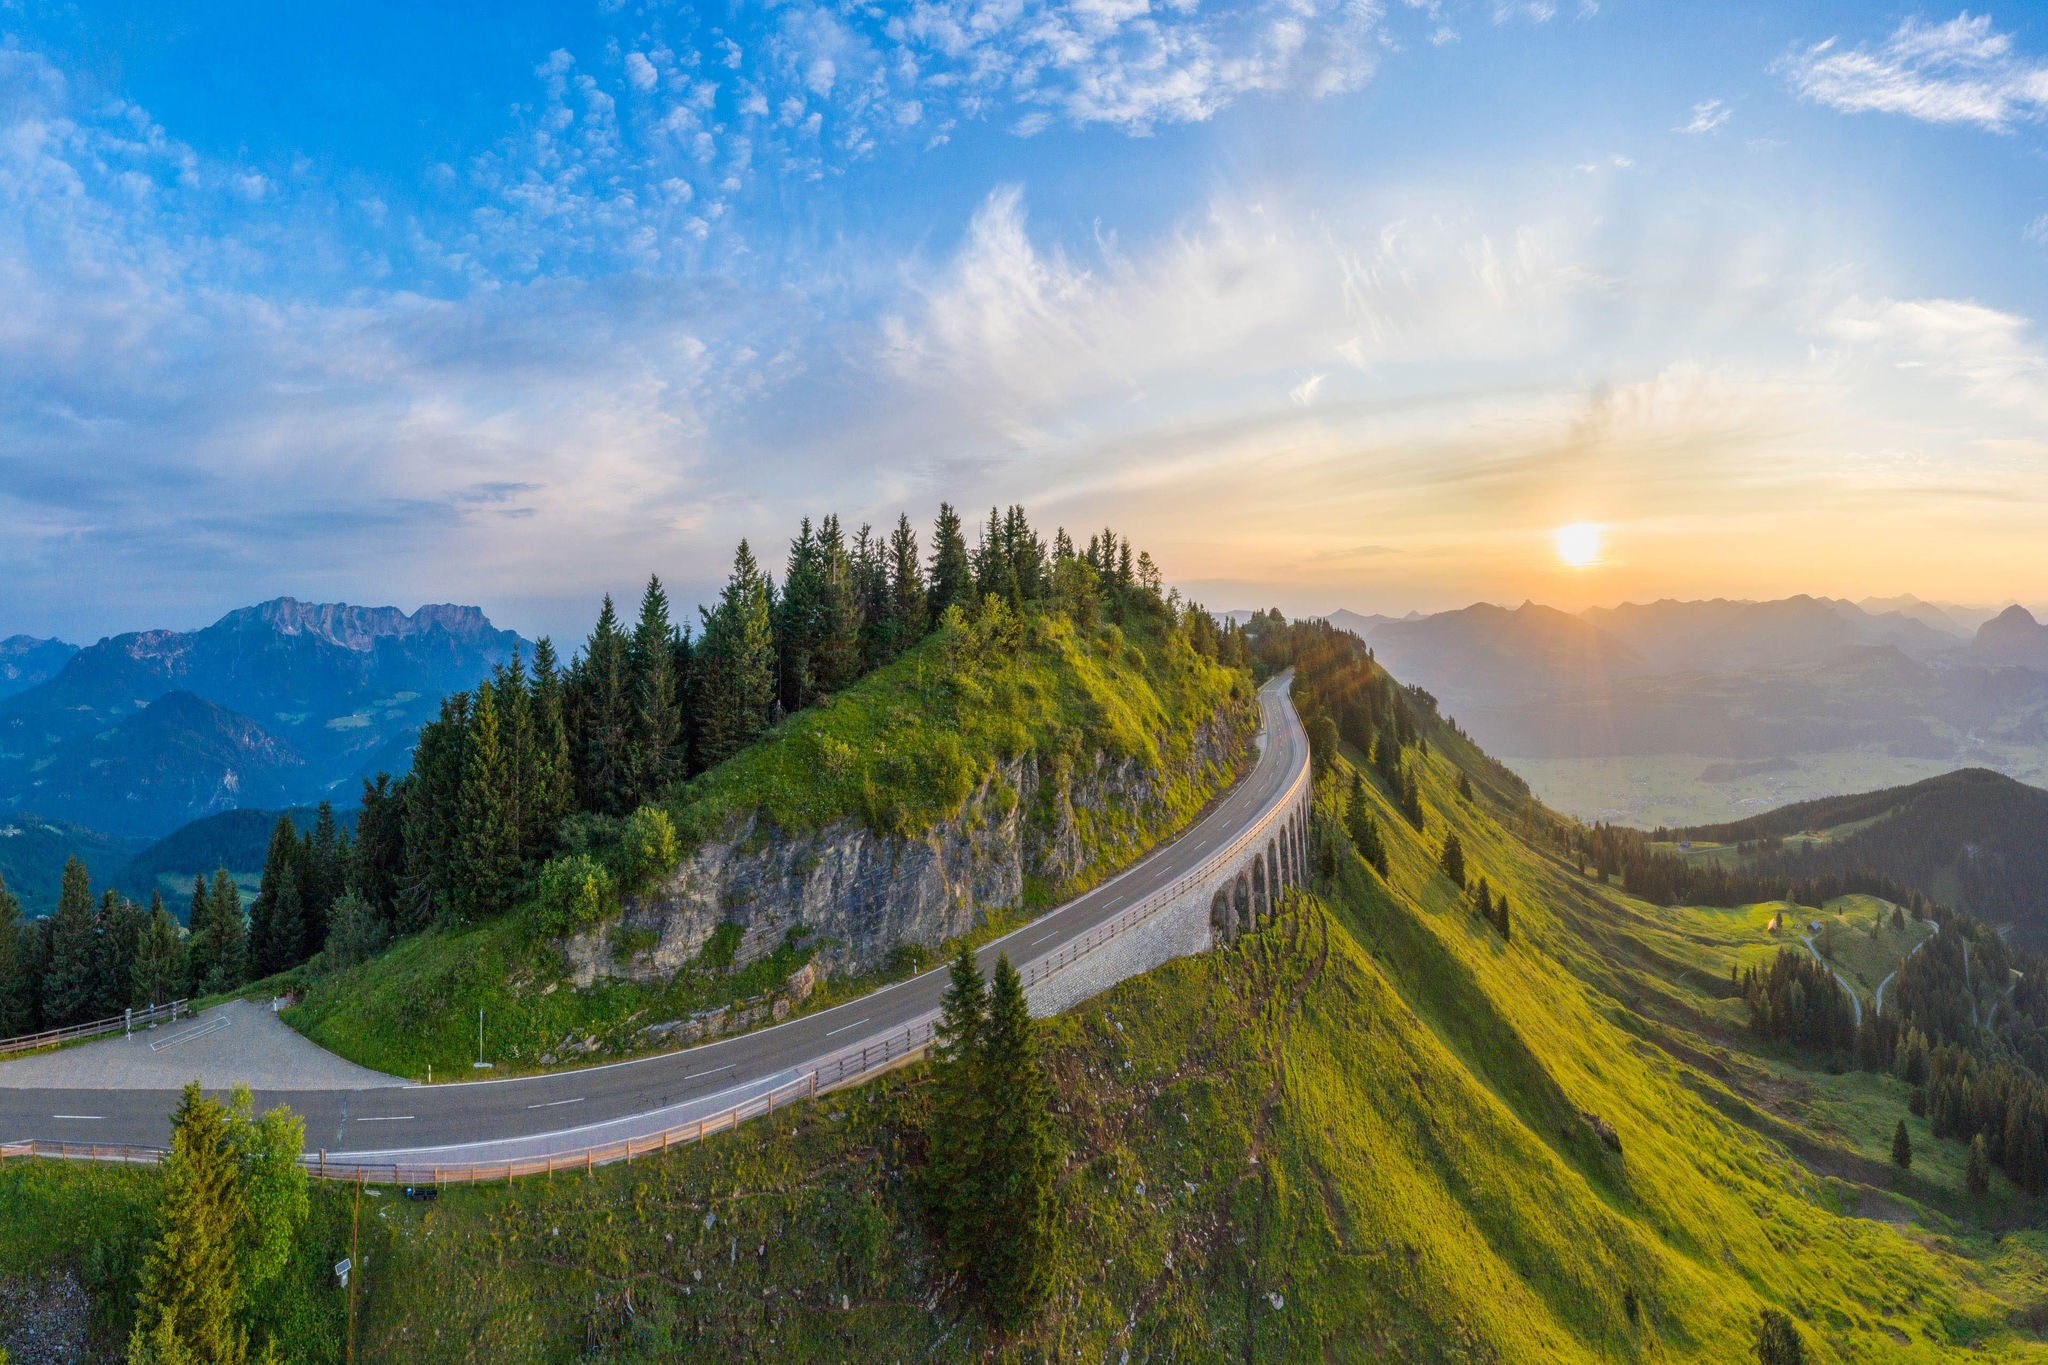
(127, 1020)
(845, 1068)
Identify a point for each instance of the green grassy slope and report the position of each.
(900, 751)
(1371, 1132)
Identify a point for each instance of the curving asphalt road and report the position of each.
(569, 1111)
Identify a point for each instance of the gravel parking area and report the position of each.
(237, 1043)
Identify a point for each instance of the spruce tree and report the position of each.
(159, 972)
(798, 621)
(836, 662)
(230, 967)
(869, 558)
(376, 863)
(71, 981)
(1452, 860)
(120, 931)
(1365, 831)
(555, 774)
(1902, 1147)
(192, 1285)
(202, 947)
(487, 856)
(1778, 1341)
(277, 931)
(17, 988)
(736, 664)
(430, 824)
(952, 573)
(908, 613)
(657, 751)
(1977, 1173)
(953, 1146)
(603, 735)
(1019, 1157)
(324, 872)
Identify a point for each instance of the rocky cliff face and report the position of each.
(1040, 827)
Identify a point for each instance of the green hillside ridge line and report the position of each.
(900, 751)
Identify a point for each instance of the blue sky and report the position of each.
(1327, 303)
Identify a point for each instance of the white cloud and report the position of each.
(1304, 393)
(640, 73)
(1707, 115)
(1963, 71)
(2037, 231)
(1991, 354)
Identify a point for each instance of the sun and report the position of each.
(1578, 545)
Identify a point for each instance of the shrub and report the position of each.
(648, 848)
(575, 892)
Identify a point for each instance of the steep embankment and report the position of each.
(1376, 1131)
(1002, 766)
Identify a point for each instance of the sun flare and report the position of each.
(1578, 545)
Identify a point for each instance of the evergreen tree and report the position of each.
(1365, 831)
(1465, 786)
(1500, 918)
(355, 932)
(603, 733)
(376, 865)
(120, 936)
(1902, 1147)
(277, 929)
(1977, 1174)
(554, 793)
(836, 659)
(1019, 1157)
(71, 983)
(1452, 860)
(953, 1146)
(1778, 1341)
(736, 664)
(159, 972)
(908, 613)
(487, 862)
(192, 1285)
(325, 872)
(228, 963)
(516, 738)
(431, 825)
(657, 701)
(952, 573)
(799, 610)
(17, 988)
(870, 567)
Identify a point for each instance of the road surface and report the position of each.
(570, 1111)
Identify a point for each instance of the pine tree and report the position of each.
(837, 659)
(277, 931)
(603, 732)
(1977, 1174)
(1902, 1147)
(1365, 831)
(907, 609)
(192, 1284)
(1452, 860)
(657, 701)
(17, 988)
(120, 935)
(953, 1146)
(554, 793)
(736, 664)
(71, 984)
(516, 737)
(1500, 918)
(159, 970)
(952, 573)
(1465, 786)
(431, 832)
(376, 864)
(1019, 1157)
(324, 873)
(487, 858)
(799, 610)
(231, 964)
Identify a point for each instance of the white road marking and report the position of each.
(844, 1027)
(82, 1118)
(387, 1118)
(695, 1075)
(550, 1104)
(1036, 941)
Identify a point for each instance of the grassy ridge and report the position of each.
(901, 751)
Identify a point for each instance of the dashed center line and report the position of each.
(697, 1075)
(82, 1118)
(550, 1104)
(386, 1118)
(843, 1028)
(1043, 937)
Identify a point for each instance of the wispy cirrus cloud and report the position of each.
(1707, 115)
(1962, 71)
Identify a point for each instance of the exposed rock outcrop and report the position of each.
(1036, 829)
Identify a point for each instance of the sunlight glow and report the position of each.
(1578, 545)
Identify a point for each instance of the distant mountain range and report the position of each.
(286, 703)
(1728, 679)
(26, 661)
